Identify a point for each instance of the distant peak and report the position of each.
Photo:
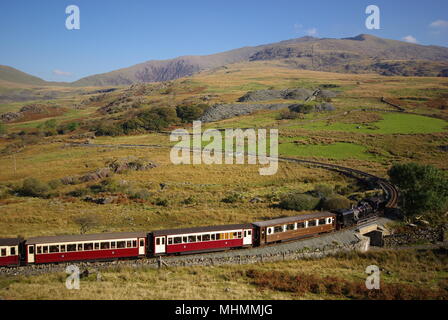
(361, 37)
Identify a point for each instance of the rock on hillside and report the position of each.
(226, 111)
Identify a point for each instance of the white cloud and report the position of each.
(439, 24)
(311, 32)
(410, 39)
(57, 72)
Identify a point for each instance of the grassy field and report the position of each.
(411, 274)
(191, 195)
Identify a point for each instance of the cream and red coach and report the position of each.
(201, 239)
(292, 228)
(9, 252)
(105, 246)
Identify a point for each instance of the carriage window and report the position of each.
(31, 249)
(192, 239)
(129, 244)
(39, 250)
(206, 237)
(54, 249)
(219, 236)
(199, 238)
(157, 241)
(71, 247)
(321, 222)
(105, 245)
(13, 251)
(301, 225)
(240, 235)
(3, 253)
(249, 232)
(45, 249)
(97, 246)
(213, 237)
(329, 220)
(122, 244)
(290, 227)
(142, 243)
(269, 230)
(113, 245)
(170, 240)
(278, 229)
(134, 243)
(311, 223)
(63, 248)
(79, 247)
(88, 246)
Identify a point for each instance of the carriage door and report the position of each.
(247, 240)
(141, 246)
(160, 245)
(30, 253)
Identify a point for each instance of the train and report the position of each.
(134, 245)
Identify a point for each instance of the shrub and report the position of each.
(288, 115)
(55, 184)
(78, 193)
(423, 188)
(302, 108)
(109, 129)
(162, 202)
(189, 201)
(335, 203)
(233, 198)
(190, 113)
(110, 185)
(141, 194)
(69, 127)
(322, 191)
(32, 187)
(298, 201)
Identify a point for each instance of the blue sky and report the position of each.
(117, 33)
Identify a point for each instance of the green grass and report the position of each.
(392, 123)
(336, 151)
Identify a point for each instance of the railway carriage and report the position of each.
(201, 239)
(293, 228)
(9, 252)
(88, 247)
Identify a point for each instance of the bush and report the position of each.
(423, 188)
(162, 202)
(191, 113)
(78, 193)
(335, 203)
(233, 198)
(32, 187)
(141, 194)
(69, 127)
(322, 191)
(110, 185)
(109, 129)
(302, 108)
(288, 115)
(298, 201)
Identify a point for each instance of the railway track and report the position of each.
(390, 190)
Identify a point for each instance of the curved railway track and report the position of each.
(389, 189)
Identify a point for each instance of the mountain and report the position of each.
(360, 54)
(16, 76)
(12, 77)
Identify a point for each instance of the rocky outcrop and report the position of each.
(264, 95)
(226, 111)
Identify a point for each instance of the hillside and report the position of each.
(360, 54)
(10, 76)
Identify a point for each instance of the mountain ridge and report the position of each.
(363, 53)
